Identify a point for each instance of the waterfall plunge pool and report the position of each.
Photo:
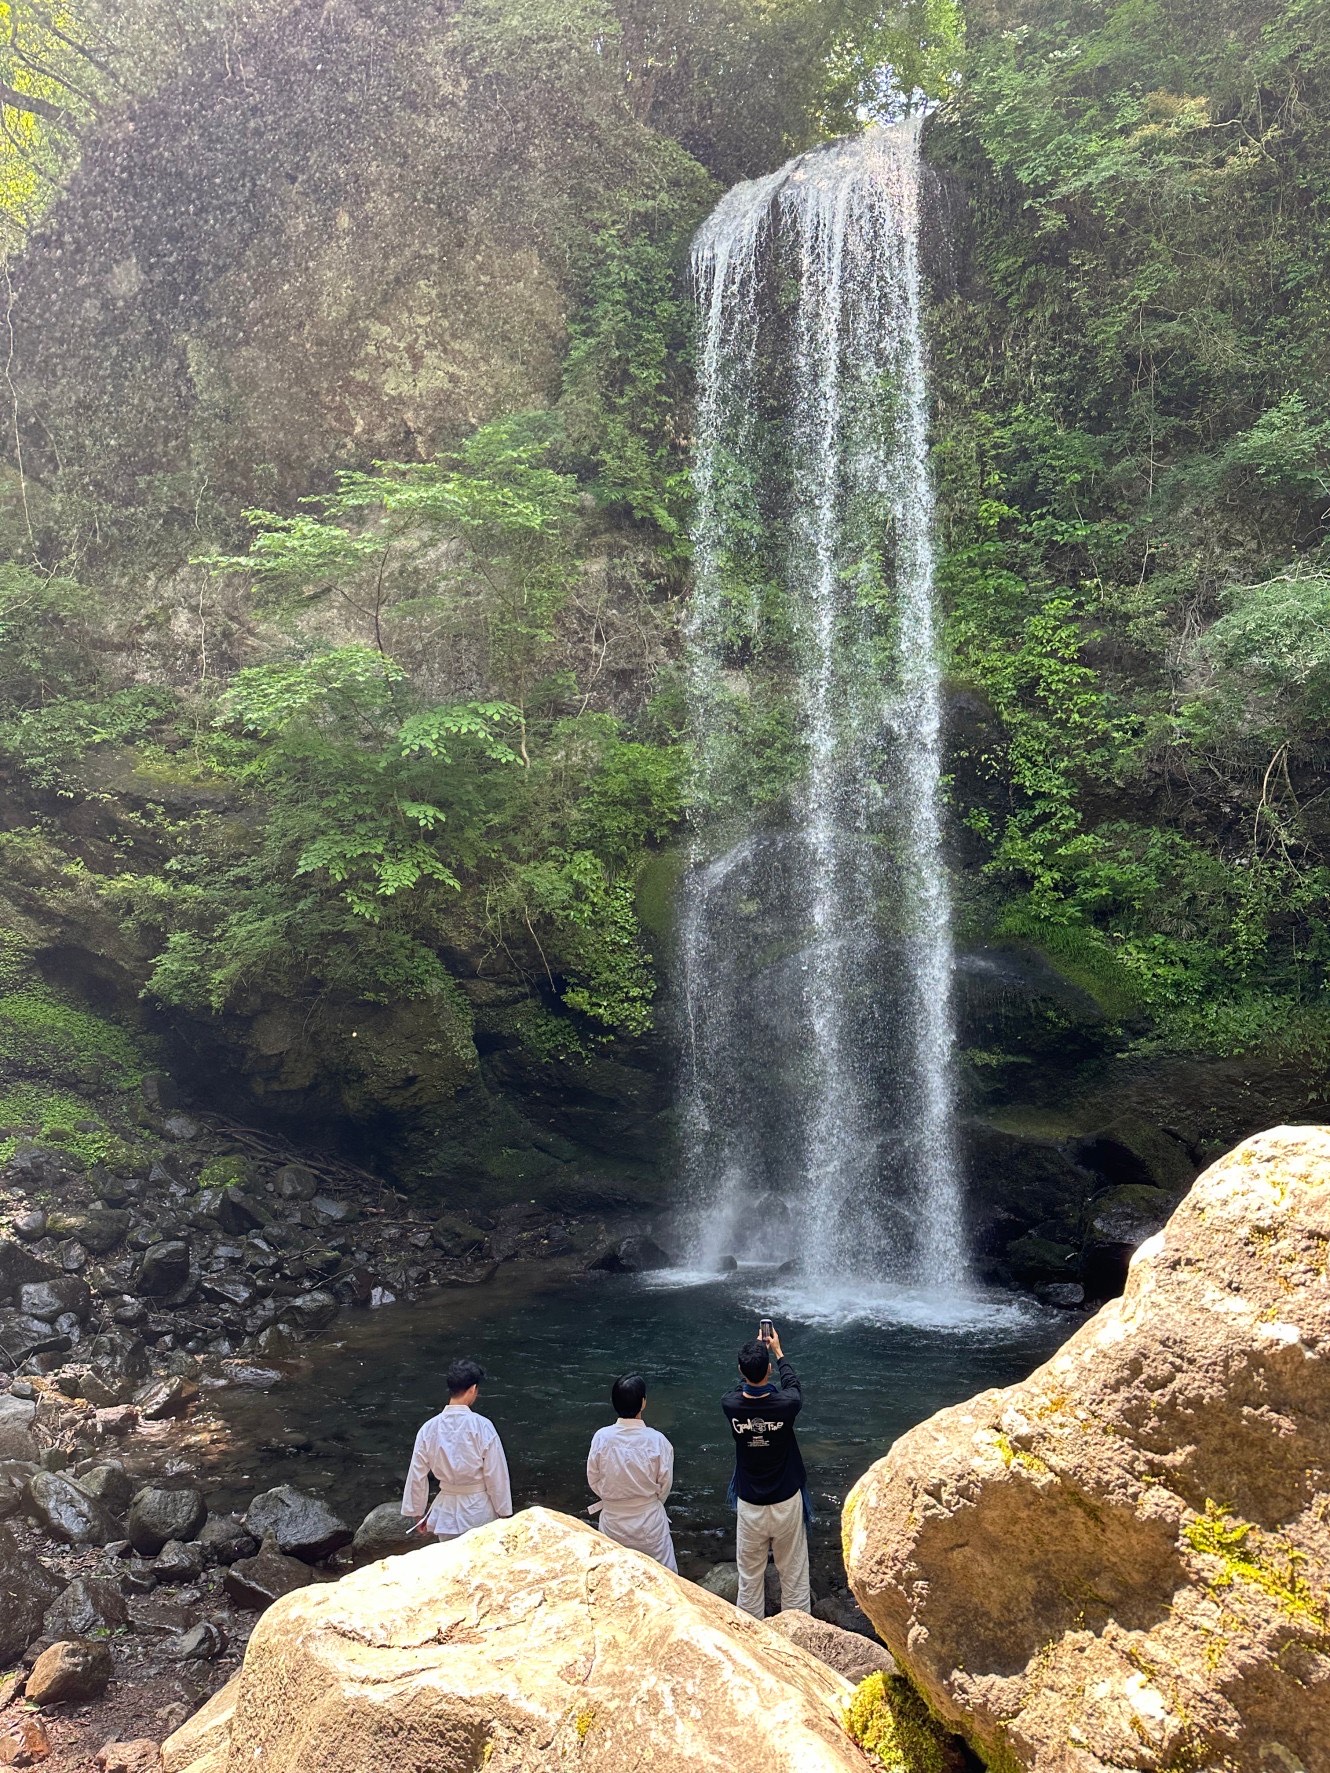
(342, 1421)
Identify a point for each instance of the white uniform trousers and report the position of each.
(777, 1527)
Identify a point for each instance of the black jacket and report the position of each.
(768, 1466)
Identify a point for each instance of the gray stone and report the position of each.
(16, 1420)
(159, 1092)
(165, 1398)
(296, 1522)
(181, 1127)
(234, 1290)
(50, 1299)
(18, 1265)
(332, 1212)
(70, 1673)
(30, 1226)
(22, 1336)
(27, 1589)
(295, 1182)
(87, 1605)
(238, 1212)
(117, 1366)
(259, 1581)
(98, 1229)
(158, 1514)
(384, 1531)
(225, 1539)
(455, 1235)
(310, 1311)
(110, 1484)
(66, 1512)
(1066, 1295)
(204, 1642)
(723, 1580)
(848, 1652)
(178, 1561)
(164, 1268)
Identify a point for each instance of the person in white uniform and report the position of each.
(631, 1469)
(462, 1452)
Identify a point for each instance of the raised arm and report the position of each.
(494, 1472)
(415, 1497)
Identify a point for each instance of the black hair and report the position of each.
(628, 1394)
(755, 1361)
(462, 1375)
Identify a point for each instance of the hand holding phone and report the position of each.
(766, 1330)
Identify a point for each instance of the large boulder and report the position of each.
(1124, 1562)
(16, 1419)
(160, 1513)
(530, 1642)
(70, 1673)
(27, 1589)
(66, 1512)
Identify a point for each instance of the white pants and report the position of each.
(778, 1527)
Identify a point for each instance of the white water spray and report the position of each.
(815, 930)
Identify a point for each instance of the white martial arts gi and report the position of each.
(631, 1469)
(463, 1452)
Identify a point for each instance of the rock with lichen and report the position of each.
(1124, 1562)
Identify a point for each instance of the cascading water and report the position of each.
(815, 927)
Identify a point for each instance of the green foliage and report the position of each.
(225, 1172)
(58, 1119)
(40, 1029)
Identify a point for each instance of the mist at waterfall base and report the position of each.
(815, 938)
(342, 1424)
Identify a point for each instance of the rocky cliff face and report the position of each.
(1123, 1563)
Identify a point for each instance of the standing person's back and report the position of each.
(769, 1478)
(631, 1468)
(463, 1453)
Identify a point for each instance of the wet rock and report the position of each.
(141, 1755)
(27, 1589)
(98, 1229)
(165, 1398)
(298, 1523)
(87, 1605)
(66, 1512)
(238, 1212)
(631, 1255)
(257, 1582)
(178, 1562)
(225, 1539)
(159, 1092)
(203, 1642)
(1065, 1295)
(31, 1166)
(332, 1212)
(117, 1366)
(16, 1419)
(294, 1182)
(848, 1652)
(381, 1296)
(234, 1290)
(22, 1336)
(23, 1740)
(181, 1127)
(110, 1484)
(384, 1531)
(116, 1420)
(18, 1265)
(50, 1299)
(1039, 1261)
(158, 1514)
(164, 1268)
(130, 1312)
(70, 1673)
(30, 1226)
(311, 1311)
(280, 1341)
(455, 1235)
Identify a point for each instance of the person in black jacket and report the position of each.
(769, 1477)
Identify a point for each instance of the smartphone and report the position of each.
(766, 1330)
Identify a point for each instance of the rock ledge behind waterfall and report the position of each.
(526, 1643)
(1124, 1562)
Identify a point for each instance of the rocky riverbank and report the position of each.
(197, 1254)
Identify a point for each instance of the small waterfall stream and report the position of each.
(815, 924)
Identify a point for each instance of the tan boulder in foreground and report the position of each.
(1124, 1562)
(532, 1642)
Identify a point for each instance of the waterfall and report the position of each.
(815, 922)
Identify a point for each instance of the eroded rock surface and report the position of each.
(1124, 1562)
(527, 1642)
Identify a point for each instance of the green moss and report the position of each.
(38, 1027)
(58, 1119)
(1244, 1554)
(1012, 1455)
(894, 1727)
(222, 1172)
